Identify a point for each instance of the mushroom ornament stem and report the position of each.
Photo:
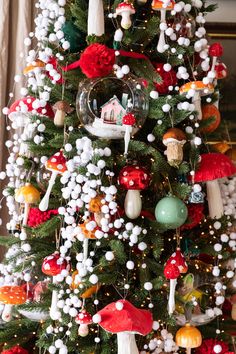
(37, 73)
(171, 272)
(133, 204)
(196, 100)
(161, 42)
(7, 313)
(96, 18)
(126, 343)
(53, 307)
(83, 330)
(26, 213)
(85, 249)
(43, 206)
(59, 118)
(171, 300)
(128, 131)
(215, 203)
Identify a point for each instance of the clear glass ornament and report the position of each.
(103, 102)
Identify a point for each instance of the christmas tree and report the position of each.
(121, 232)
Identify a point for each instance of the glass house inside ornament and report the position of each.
(102, 103)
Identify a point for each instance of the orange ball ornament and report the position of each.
(88, 234)
(188, 337)
(210, 112)
(88, 292)
(95, 204)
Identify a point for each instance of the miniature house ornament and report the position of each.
(103, 103)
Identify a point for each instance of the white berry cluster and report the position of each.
(163, 344)
(228, 192)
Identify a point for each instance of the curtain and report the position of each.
(17, 20)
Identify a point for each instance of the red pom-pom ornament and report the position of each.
(97, 61)
(208, 346)
(216, 50)
(168, 79)
(15, 350)
(195, 216)
(37, 217)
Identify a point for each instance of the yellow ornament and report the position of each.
(188, 337)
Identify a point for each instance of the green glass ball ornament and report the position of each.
(171, 212)
(74, 36)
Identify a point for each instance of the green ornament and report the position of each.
(171, 212)
(74, 36)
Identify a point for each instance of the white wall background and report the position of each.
(226, 11)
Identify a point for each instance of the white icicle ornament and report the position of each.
(96, 18)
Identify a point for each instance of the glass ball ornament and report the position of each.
(103, 102)
(171, 212)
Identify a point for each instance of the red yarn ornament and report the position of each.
(97, 61)
(195, 216)
(37, 217)
(129, 119)
(15, 350)
(168, 79)
(207, 347)
(216, 50)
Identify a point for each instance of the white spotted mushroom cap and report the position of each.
(54, 264)
(84, 318)
(57, 162)
(177, 258)
(12, 295)
(134, 177)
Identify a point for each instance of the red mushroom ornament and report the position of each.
(133, 178)
(171, 272)
(20, 113)
(125, 320)
(214, 166)
(52, 266)
(83, 319)
(215, 51)
(177, 258)
(56, 164)
(125, 9)
(128, 120)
